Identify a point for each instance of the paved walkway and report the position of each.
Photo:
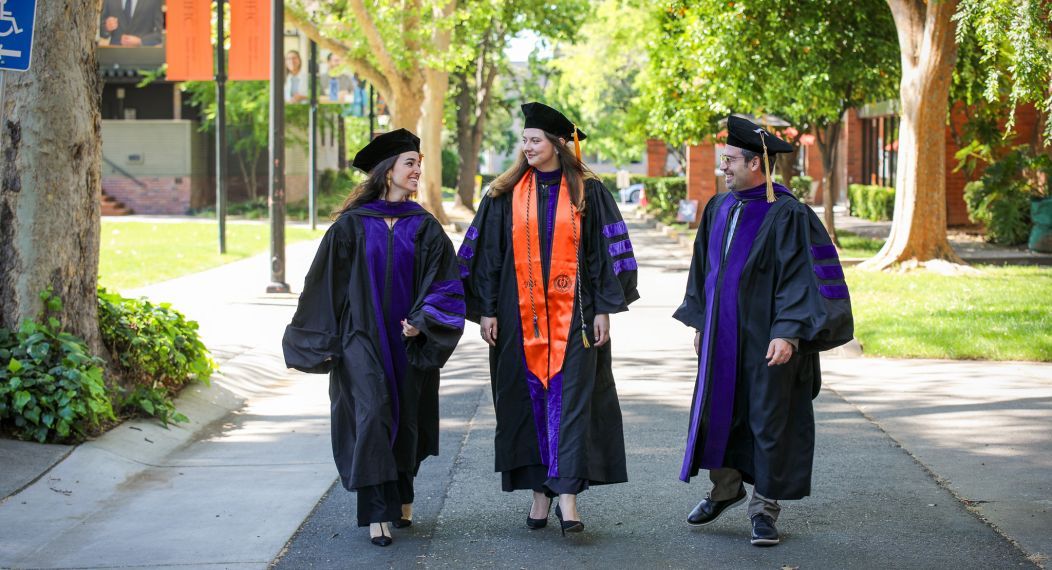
(896, 452)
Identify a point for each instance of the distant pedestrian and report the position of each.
(549, 259)
(766, 293)
(381, 311)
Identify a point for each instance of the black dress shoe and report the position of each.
(568, 526)
(382, 540)
(763, 531)
(535, 524)
(402, 523)
(709, 510)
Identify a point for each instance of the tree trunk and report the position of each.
(918, 230)
(465, 136)
(432, 114)
(404, 107)
(435, 87)
(827, 140)
(50, 179)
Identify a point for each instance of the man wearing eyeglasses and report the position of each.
(765, 294)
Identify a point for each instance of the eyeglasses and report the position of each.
(727, 159)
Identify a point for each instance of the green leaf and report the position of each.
(180, 418)
(32, 414)
(147, 405)
(21, 399)
(14, 365)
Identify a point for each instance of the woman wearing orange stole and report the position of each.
(545, 262)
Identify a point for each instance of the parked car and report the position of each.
(631, 194)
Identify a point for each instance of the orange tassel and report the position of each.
(576, 143)
(767, 168)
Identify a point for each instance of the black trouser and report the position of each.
(383, 502)
(535, 478)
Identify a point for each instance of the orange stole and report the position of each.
(546, 351)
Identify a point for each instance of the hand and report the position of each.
(779, 352)
(127, 40)
(489, 330)
(697, 343)
(111, 24)
(409, 330)
(601, 326)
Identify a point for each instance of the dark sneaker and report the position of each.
(709, 510)
(763, 531)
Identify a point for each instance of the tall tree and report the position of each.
(483, 32)
(50, 179)
(804, 61)
(598, 78)
(402, 49)
(928, 53)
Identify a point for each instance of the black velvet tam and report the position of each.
(385, 146)
(541, 116)
(745, 134)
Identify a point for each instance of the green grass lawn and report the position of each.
(134, 254)
(854, 245)
(1005, 313)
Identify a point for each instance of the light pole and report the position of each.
(276, 167)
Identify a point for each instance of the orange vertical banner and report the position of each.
(249, 39)
(188, 42)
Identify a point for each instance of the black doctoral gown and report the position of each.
(779, 277)
(383, 387)
(574, 428)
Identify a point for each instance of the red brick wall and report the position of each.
(1026, 133)
(701, 177)
(657, 157)
(163, 195)
(956, 210)
(813, 168)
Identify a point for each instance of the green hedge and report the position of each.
(53, 389)
(663, 194)
(871, 202)
(51, 386)
(159, 352)
(1000, 200)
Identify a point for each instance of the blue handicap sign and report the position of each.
(16, 33)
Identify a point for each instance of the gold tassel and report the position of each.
(577, 150)
(767, 168)
(584, 339)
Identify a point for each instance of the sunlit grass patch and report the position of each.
(133, 254)
(1003, 313)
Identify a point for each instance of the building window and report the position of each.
(880, 146)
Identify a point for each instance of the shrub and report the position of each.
(871, 202)
(158, 351)
(51, 386)
(800, 186)
(663, 194)
(1000, 200)
(450, 168)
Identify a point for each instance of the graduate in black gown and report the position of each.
(766, 293)
(381, 311)
(545, 262)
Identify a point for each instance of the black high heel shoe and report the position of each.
(383, 539)
(536, 524)
(568, 526)
(402, 522)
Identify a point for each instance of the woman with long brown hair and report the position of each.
(381, 311)
(545, 262)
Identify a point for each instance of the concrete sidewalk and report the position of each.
(227, 488)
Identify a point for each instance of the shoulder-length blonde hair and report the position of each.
(574, 170)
